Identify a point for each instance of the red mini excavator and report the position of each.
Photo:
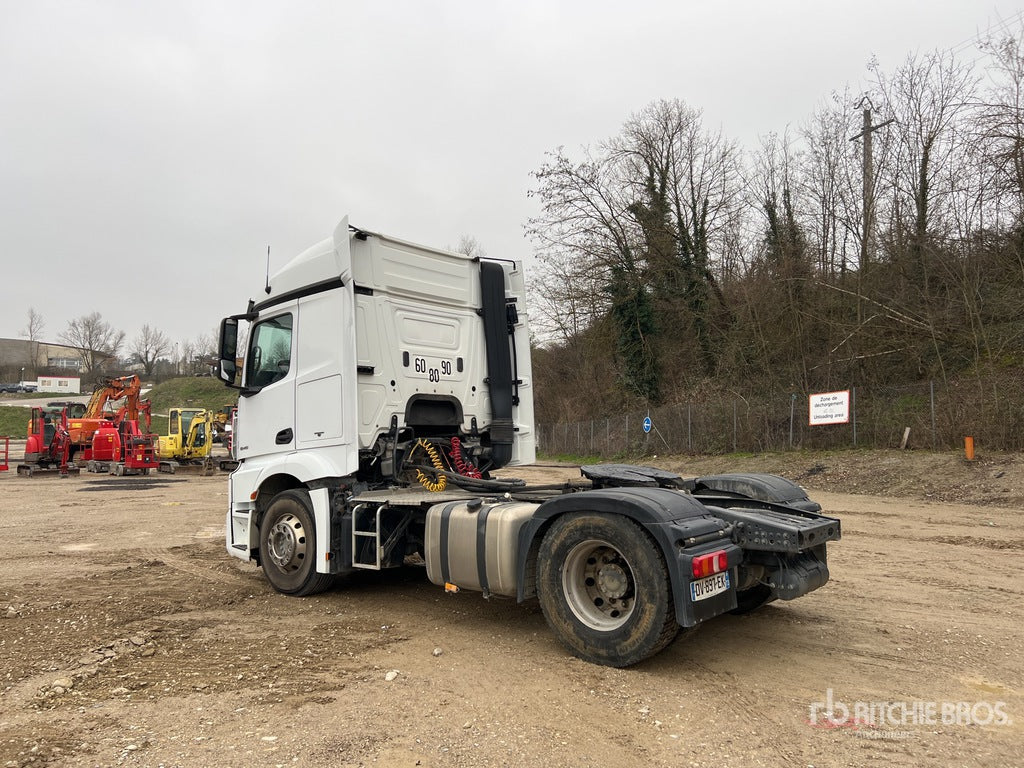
(48, 444)
(120, 447)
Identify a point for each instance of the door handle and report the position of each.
(283, 437)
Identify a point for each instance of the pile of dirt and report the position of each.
(990, 479)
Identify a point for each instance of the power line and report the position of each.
(1003, 25)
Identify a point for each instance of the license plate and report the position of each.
(702, 589)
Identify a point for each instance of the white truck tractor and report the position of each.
(382, 383)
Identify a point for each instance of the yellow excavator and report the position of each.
(188, 442)
(222, 424)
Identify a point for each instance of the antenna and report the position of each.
(267, 289)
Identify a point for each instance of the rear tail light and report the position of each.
(711, 563)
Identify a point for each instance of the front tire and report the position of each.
(604, 589)
(288, 546)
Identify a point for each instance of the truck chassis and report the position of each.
(620, 562)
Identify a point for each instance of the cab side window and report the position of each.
(270, 351)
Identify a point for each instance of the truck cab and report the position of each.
(362, 347)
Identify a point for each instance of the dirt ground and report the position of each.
(129, 637)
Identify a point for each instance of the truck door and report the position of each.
(268, 402)
(325, 395)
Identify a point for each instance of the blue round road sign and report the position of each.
(647, 424)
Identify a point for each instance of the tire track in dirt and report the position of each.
(976, 541)
(201, 567)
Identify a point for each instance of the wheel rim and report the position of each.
(598, 585)
(287, 543)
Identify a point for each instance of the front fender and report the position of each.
(304, 466)
(291, 470)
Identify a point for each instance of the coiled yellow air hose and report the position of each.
(435, 458)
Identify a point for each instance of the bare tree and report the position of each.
(926, 96)
(186, 350)
(149, 346)
(686, 183)
(929, 96)
(34, 331)
(566, 297)
(470, 246)
(1000, 125)
(34, 326)
(94, 338)
(645, 217)
(829, 181)
(204, 352)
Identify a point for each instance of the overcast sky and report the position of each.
(150, 152)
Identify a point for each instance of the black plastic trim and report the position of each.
(499, 362)
(301, 293)
(481, 549)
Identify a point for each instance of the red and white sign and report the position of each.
(829, 408)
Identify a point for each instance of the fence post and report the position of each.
(591, 436)
(689, 430)
(853, 398)
(931, 388)
(792, 414)
(734, 426)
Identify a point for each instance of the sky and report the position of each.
(151, 152)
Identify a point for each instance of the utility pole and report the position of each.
(868, 193)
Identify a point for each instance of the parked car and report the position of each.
(10, 387)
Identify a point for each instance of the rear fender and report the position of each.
(668, 516)
(755, 485)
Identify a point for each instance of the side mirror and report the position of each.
(227, 371)
(228, 368)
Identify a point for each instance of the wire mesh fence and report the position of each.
(938, 416)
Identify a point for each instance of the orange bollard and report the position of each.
(969, 448)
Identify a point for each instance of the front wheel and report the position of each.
(288, 546)
(605, 590)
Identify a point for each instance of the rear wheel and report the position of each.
(288, 546)
(605, 590)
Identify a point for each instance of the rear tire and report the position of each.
(605, 590)
(288, 546)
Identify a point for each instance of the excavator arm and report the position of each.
(123, 387)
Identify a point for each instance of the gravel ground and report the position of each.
(129, 637)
